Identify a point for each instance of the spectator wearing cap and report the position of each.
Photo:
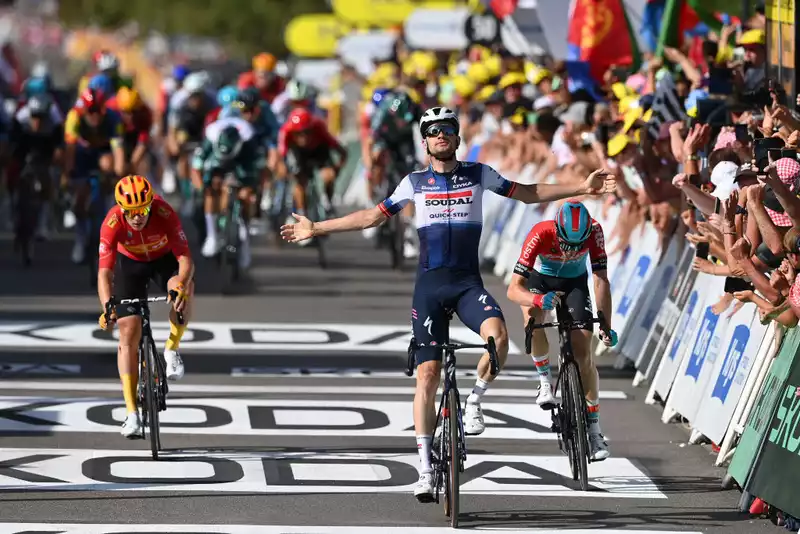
(543, 80)
(755, 56)
(511, 85)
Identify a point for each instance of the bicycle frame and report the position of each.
(443, 476)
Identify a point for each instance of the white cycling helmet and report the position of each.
(298, 90)
(438, 114)
(107, 61)
(196, 82)
(40, 70)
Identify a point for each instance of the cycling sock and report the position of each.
(211, 224)
(129, 385)
(424, 450)
(593, 416)
(478, 391)
(176, 332)
(542, 367)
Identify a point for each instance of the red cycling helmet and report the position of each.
(299, 119)
(92, 100)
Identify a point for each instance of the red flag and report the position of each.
(503, 8)
(600, 34)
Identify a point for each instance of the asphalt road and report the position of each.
(294, 416)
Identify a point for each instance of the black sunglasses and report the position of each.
(436, 129)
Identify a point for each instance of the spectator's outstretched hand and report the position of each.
(741, 249)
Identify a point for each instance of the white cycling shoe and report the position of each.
(473, 419)
(546, 400)
(210, 246)
(423, 491)
(174, 365)
(598, 448)
(132, 427)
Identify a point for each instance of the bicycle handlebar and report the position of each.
(531, 326)
(489, 346)
(170, 296)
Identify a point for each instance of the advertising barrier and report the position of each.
(734, 379)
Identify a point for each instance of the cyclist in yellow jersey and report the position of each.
(93, 137)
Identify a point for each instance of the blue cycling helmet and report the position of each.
(179, 72)
(37, 86)
(379, 95)
(102, 83)
(227, 96)
(573, 224)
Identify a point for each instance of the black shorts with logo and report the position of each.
(134, 278)
(576, 295)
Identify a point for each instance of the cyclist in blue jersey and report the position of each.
(447, 196)
(552, 266)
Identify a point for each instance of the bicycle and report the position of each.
(392, 233)
(450, 455)
(95, 214)
(317, 212)
(569, 416)
(152, 388)
(229, 225)
(28, 206)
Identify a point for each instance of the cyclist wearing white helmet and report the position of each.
(186, 121)
(448, 197)
(298, 94)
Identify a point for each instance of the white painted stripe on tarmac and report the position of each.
(264, 417)
(247, 337)
(299, 389)
(84, 528)
(305, 473)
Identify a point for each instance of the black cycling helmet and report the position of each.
(39, 105)
(248, 99)
(228, 144)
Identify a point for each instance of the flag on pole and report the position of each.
(681, 16)
(600, 34)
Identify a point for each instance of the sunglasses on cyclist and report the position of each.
(134, 212)
(436, 129)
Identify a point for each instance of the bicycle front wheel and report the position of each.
(151, 398)
(579, 455)
(454, 458)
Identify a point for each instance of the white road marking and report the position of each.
(287, 473)
(59, 385)
(85, 528)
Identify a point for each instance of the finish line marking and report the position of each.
(305, 390)
(84, 528)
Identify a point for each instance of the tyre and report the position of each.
(151, 398)
(580, 450)
(454, 459)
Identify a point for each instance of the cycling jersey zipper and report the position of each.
(146, 251)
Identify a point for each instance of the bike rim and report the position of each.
(579, 430)
(455, 458)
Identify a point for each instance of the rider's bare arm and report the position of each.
(359, 220)
(518, 291)
(602, 293)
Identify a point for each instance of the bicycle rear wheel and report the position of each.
(576, 414)
(454, 459)
(151, 396)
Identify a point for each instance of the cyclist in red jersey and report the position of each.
(306, 145)
(148, 236)
(137, 123)
(552, 266)
(263, 77)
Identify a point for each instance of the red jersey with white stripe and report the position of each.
(542, 252)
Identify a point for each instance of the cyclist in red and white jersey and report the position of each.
(552, 266)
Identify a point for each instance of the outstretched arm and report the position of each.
(597, 183)
(304, 229)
